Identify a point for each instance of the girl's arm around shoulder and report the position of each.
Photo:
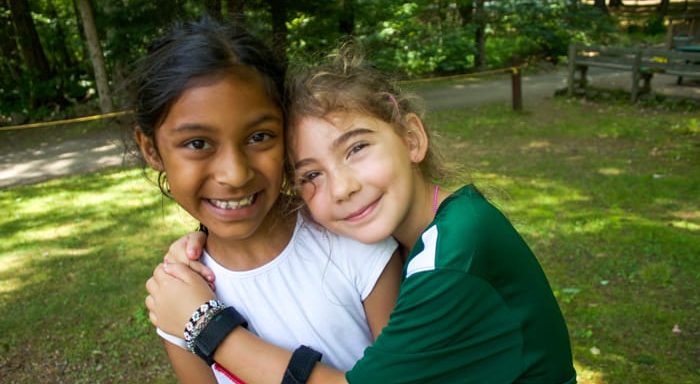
(189, 368)
(380, 302)
(258, 362)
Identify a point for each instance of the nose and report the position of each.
(232, 168)
(343, 184)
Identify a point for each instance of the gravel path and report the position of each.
(30, 157)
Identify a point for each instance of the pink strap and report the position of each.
(435, 199)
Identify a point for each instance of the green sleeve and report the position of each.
(447, 327)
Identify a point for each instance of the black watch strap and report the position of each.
(215, 332)
(300, 365)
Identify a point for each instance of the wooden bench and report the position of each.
(681, 62)
(627, 59)
(641, 63)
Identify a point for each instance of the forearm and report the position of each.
(258, 362)
(188, 368)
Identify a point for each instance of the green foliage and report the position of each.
(418, 38)
(526, 29)
(409, 38)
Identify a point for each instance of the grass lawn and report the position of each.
(607, 196)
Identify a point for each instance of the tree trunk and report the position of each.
(480, 35)
(663, 8)
(28, 39)
(213, 8)
(96, 57)
(615, 4)
(346, 19)
(278, 8)
(8, 47)
(62, 54)
(600, 4)
(236, 11)
(466, 11)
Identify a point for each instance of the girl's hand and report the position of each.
(187, 250)
(174, 293)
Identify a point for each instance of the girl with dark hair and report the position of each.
(209, 120)
(474, 304)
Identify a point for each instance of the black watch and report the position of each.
(215, 332)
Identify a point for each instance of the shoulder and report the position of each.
(466, 207)
(464, 225)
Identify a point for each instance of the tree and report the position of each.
(28, 39)
(615, 4)
(9, 67)
(480, 35)
(600, 4)
(96, 57)
(213, 8)
(236, 10)
(466, 11)
(278, 9)
(346, 17)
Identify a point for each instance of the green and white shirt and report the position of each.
(474, 307)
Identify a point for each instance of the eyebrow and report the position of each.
(189, 127)
(349, 135)
(339, 141)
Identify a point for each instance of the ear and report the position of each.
(148, 149)
(416, 138)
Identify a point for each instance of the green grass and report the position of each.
(609, 199)
(607, 196)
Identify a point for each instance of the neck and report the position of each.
(420, 213)
(261, 247)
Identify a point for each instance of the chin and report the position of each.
(368, 237)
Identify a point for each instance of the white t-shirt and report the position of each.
(310, 294)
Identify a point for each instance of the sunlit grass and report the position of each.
(608, 196)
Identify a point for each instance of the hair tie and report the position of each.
(393, 100)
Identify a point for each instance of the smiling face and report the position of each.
(222, 147)
(356, 174)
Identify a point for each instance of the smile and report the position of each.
(233, 204)
(362, 213)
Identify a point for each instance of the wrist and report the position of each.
(209, 325)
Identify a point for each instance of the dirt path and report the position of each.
(35, 155)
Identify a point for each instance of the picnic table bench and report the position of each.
(641, 63)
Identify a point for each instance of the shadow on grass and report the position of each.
(76, 254)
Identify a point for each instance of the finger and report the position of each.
(195, 245)
(179, 271)
(150, 303)
(151, 285)
(202, 269)
(160, 273)
(153, 318)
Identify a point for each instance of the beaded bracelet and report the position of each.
(199, 319)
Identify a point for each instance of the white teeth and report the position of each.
(233, 204)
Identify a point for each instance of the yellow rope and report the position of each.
(67, 121)
(466, 76)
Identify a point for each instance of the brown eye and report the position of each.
(197, 144)
(357, 148)
(259, 137)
